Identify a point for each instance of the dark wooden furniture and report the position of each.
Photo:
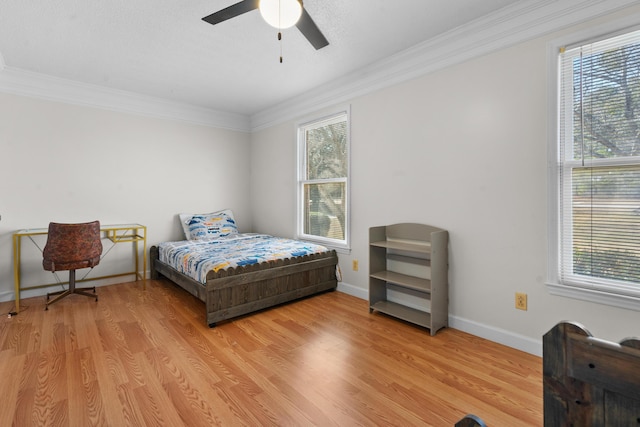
(589, 382)
(237, 291)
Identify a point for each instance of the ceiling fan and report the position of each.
(305, 24)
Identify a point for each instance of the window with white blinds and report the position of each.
(598, 170)
(323, 180)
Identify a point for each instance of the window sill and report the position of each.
(594, 295)
(341, 249)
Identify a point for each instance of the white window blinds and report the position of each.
(323, 177)
(599, 165)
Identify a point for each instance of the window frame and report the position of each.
(301, 128)
(603, 293)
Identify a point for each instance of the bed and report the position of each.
(239, 273)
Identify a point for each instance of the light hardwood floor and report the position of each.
(147, 357)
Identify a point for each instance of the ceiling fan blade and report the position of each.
(231, 11)
(310, 30)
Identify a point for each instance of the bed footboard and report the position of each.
(235, 292)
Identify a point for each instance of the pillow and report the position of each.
(208, 226)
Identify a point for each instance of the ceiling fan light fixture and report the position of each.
(281, 14)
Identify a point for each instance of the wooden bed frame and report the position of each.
(237, 291)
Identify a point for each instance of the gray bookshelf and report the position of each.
(413, 259)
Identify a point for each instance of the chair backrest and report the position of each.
(72, 246)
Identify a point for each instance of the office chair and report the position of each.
(71, 247)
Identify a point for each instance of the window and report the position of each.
(597, 172)
(323, 180)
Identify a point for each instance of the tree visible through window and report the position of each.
(323, 179)
(599, 168)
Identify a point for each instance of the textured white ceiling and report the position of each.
(163, 49)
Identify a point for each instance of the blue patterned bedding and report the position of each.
(195, 258)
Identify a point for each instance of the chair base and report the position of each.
(72, 290)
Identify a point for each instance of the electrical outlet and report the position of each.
(521, 301)
(355, 265)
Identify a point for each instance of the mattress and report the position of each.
(195, 258)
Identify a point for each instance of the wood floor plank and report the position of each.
(145, 356)
(11, 367)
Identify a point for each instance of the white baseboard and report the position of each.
(6, 296)
(498, 335)
(355, 291)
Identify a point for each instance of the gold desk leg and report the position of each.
(16, 270)
(144, 258)
(137, 250)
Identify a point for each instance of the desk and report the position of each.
(122, 233)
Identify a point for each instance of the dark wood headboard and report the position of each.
(588, 381)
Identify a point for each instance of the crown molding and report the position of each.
(26, 83)
(522, 21)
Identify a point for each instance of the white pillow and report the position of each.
(208, 226)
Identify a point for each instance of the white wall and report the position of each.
(464, 149)
(67, 163)
(273, 180)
